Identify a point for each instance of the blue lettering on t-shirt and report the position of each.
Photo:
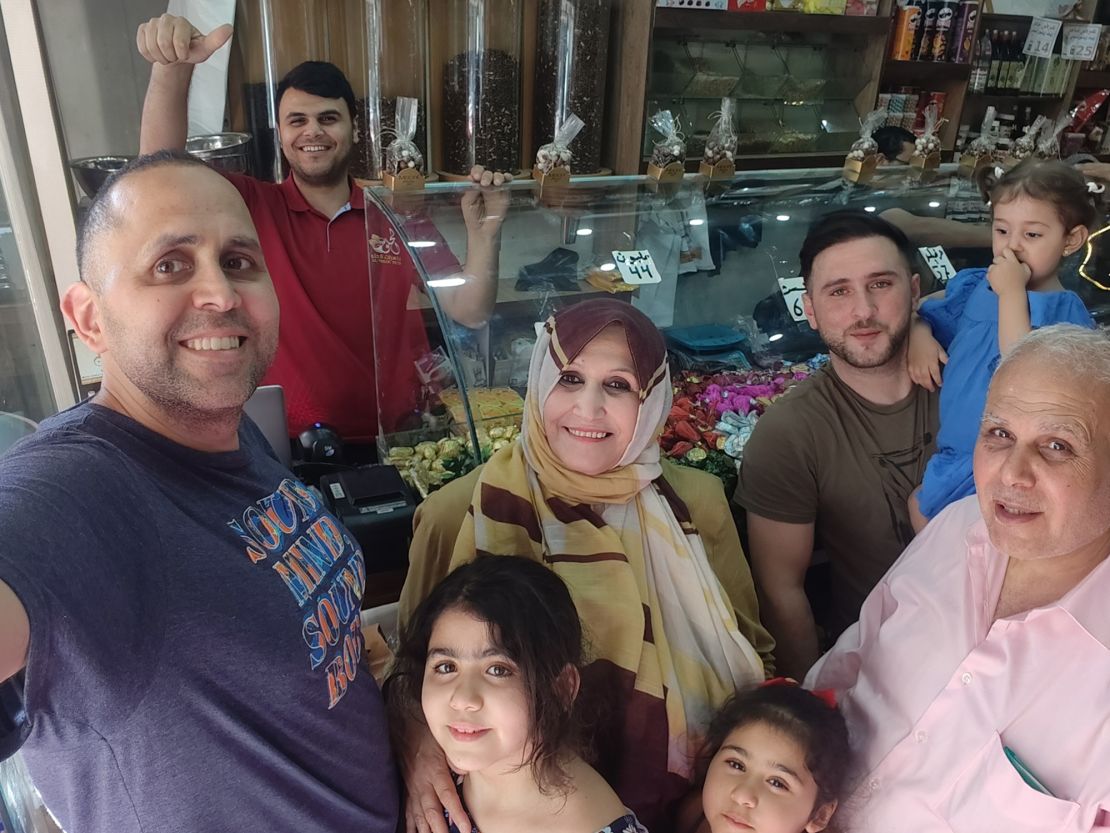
(267, 525)
(303, 544)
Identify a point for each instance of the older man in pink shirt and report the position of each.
(976, 683)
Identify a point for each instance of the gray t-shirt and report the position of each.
(823, 454)
(196, 661)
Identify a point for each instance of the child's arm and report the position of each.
(1008, 278)
(925, 355)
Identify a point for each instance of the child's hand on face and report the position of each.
(1007, 274)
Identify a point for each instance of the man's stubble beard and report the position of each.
(337, 173)
(898, 339)
(178, 394)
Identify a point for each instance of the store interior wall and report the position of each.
(99, 76)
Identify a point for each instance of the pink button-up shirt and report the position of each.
(933, 690)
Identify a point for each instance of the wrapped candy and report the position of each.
(1048, 145)
(720, 148)
(863, 156)
(979, 152)
(404, 164)
(926, 149)
(553, 160)
(669, 154)
(1026, 145)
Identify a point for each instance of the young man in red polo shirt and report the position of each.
(314, 229)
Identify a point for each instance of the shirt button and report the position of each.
(922, 736)
(874, 784)
(966, 678)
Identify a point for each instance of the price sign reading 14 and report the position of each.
(1042, 37)
(637, 267)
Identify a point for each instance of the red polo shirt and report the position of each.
(327, 343)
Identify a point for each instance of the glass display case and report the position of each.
(571, 65)
(728, 298)
(481, 51)
(795, 93)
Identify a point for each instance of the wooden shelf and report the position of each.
(927, 72)
(1019, 99)
(993, 21)
(718, 25)
(1092, 78)
(811, 159)
(1017, 20)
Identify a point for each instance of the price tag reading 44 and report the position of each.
(637, 268)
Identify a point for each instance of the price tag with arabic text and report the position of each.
(792, 290)
(1042, 37)
(1080, 41)
(937, 260)
(637, 267)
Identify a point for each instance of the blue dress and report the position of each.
(965, 322)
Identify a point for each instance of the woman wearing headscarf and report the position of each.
(647, 548)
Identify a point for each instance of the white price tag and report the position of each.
(637, 267)
(1080, 41)
(1042, 37)
(939, 264)
(792, 290)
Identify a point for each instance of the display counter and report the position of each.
(727, 298)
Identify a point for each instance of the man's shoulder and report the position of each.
(257, 193)
(68, 472)
(70, 445)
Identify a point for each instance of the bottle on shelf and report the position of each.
(995, 69)
(1028, 75)
(981, 65)
(1017, 64)
(1006, 71)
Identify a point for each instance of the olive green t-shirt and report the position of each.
(823, 454)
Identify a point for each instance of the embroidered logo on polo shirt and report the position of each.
(385, 250)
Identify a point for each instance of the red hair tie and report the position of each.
(826, 695)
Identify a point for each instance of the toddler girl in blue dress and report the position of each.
(1042, 212)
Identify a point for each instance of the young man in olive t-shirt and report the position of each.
(836, 458)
